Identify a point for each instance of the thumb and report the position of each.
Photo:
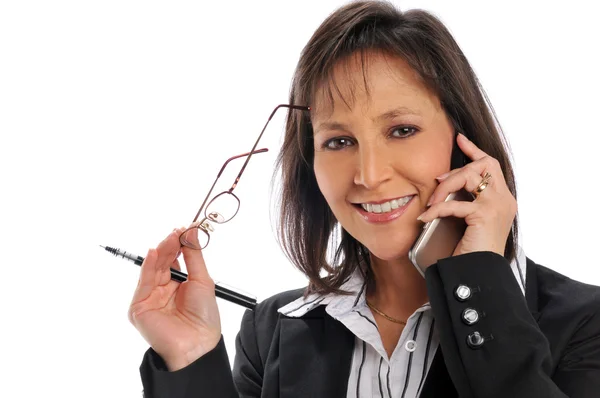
(194, 260)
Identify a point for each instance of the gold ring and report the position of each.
(482, 185)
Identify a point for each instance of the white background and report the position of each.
(116, 115)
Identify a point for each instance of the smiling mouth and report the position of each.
(385, 207)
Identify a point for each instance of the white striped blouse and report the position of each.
(373, 373)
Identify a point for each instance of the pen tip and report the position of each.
(102, 246)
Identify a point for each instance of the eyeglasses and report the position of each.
(223, 207)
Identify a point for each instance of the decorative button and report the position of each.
(475, 340)
(470, 316)
(463, 293)
(410, 345)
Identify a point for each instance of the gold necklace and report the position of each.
(389, 318)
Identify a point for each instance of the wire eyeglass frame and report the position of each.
(204, 224)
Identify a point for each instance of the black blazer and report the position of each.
(546, 344)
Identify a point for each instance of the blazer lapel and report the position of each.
(315, 356)
(438, 382)
(318, 362)
(531, 289)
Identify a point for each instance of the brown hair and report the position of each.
(307, 227)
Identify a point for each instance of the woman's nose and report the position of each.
(373, 167)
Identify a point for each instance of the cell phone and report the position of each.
(440, 237)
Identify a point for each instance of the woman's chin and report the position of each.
(388, 251)
(392, 245)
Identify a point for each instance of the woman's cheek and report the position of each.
(329, 178)
(432, 162)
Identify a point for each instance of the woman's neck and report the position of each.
(399, 288)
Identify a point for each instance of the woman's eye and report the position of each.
(403, 131)
(337, 143)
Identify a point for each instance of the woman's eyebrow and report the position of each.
(389, 115)
(393, 113)
(332, 126)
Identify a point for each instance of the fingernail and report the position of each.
(463, 136)
(443, 176)
(430, 201)
(420, 217)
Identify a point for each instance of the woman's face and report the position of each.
(381, 151)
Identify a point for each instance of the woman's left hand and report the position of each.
(489, 218)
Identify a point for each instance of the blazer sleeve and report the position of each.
(210, 376)
(514, 358)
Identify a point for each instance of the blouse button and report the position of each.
(410, 345)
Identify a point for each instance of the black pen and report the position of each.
(178, 276)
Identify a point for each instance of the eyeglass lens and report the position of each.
(219, 211)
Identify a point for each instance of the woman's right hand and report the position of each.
(179, 320)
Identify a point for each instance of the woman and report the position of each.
(370, 163)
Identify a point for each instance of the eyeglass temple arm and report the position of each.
(241, 156)
(219, 175)
(302, 108)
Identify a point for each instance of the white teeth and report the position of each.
(387, 206)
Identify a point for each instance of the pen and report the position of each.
(178, 276)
